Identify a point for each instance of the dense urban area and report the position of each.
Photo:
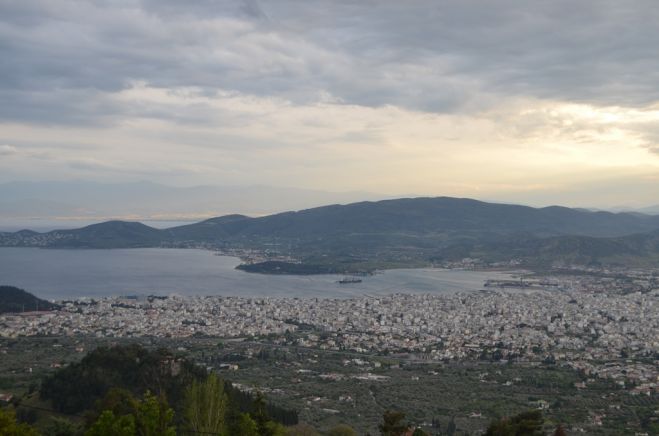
(597, 328)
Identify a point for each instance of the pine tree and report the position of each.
(451, 427)
(206, 405)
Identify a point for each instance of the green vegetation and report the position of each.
(136, 369)
(17, 300)
(206, 411)
(206, 405)
(108, 424)
(441, 398)
(9, 426)
(525, 424)
(127, 390)
(342, 430)
(59, 426)
(392, 424)
(151, 416)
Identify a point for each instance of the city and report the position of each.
(608, 335)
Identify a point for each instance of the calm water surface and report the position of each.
(56, 274)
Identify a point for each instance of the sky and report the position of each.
(533, 102)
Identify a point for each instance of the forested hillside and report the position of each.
(14, 299)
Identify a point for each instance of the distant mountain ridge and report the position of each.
(424, 215)
(389, 231)
(651, 210)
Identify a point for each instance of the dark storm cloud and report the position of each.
(61, 60)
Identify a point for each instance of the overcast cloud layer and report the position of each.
(538, 102)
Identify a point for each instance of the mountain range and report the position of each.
(400, 232)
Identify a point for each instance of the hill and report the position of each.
(14, 299)
(430, 216)
(389, 233)
(110, 234)
(640, 249)
(134, 369)
(414, 232)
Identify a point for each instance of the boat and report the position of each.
(349, 280)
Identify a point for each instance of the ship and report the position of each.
(349, 280)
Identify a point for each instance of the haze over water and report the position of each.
(64, 274)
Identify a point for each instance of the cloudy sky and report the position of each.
(537, 102)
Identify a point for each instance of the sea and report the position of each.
(57, 274)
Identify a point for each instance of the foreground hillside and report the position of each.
(390, 233)
(442, 398)
(13, 299)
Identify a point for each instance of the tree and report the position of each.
(126, 416)
(260, 414)
(205, 406)
(246, 426)
(342, 430)
(525, 424)
(154, 417)
(451, 427)
(9, 426)
(108, 424)
(560, 431)
(61, 427)
(119, 401)
(392, 424)
(419, 432)
(272, 428)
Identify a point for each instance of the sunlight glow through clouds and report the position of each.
(363, 146)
